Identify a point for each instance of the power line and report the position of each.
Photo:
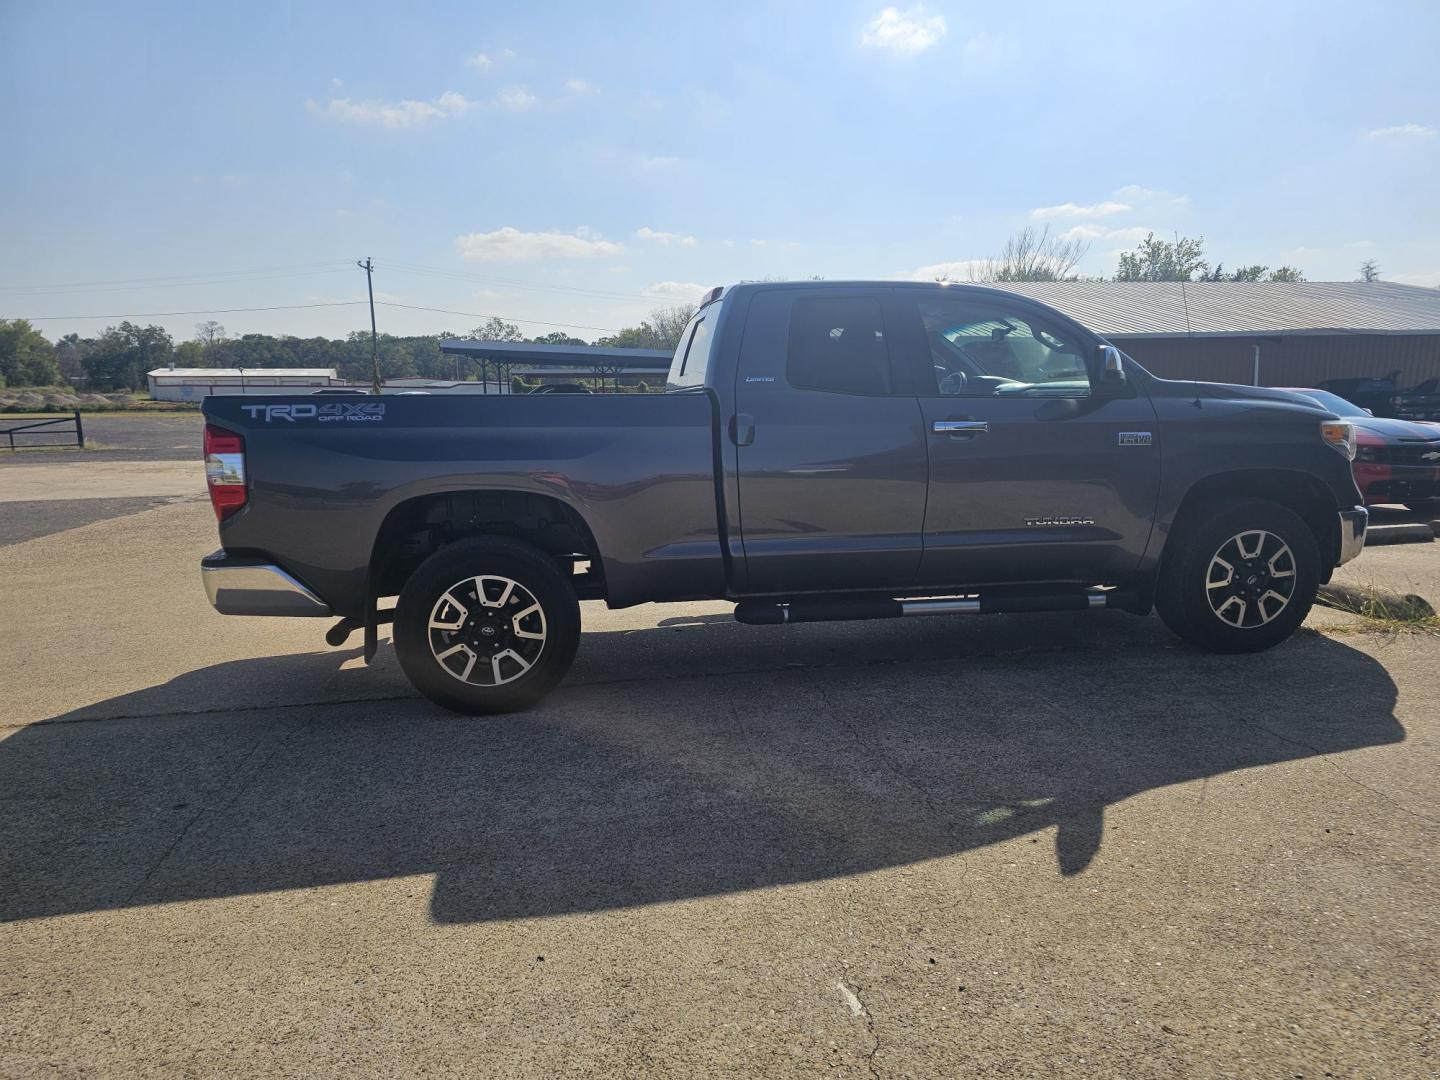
(460, 275)
(201, 311)
(484, 315)
(178, 284)
(165, 279)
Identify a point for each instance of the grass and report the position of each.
(1383, 611)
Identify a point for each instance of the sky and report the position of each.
(573, 166)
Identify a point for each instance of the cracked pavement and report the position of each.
(1047, 845)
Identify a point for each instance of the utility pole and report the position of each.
(374, 338)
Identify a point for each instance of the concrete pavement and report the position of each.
(1055, 845)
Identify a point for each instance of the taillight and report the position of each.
(225, 470)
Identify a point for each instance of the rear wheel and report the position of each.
(486, 626)
(1241, 577)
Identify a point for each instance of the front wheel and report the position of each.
(486, 626)
(1241, 576)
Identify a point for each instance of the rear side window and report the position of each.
(692, 356)
(838, 344)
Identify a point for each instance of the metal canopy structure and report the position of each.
(603, 364)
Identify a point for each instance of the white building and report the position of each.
(192, 384)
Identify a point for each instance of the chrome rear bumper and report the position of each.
(237, 587)
(1352, 533)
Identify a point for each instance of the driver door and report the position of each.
(1038, 470)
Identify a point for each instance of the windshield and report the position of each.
(1334, 402)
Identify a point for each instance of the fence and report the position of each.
(69, 426)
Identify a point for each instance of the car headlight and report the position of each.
(1341, 435)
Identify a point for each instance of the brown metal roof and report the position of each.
(1239, 308)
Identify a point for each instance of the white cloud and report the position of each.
(581, 88)
(395, 115)
(904, 32)
(664, 239)
(658, 163)
(515, 99)
(959, 270)
(511, 245)
(1070, 209)
(677, 291)
(480, 62)
(1124, 238)
(1428, 278)
(758, 243)
(1152, 196)
(1402, 131)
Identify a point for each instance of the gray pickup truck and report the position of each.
(824, 451)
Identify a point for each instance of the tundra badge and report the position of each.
(1134, 438)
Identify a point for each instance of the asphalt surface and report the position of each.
(125, 436)
(1010, 847)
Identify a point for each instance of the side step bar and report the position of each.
(772, 613)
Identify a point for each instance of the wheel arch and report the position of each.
(416, 527)
(1297, 491)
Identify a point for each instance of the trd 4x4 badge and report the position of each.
(342, 411)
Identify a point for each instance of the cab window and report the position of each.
(977, 350)
(837, 344)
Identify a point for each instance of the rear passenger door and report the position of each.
(830, 448)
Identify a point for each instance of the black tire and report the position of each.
(1193, 582)
(445, 586)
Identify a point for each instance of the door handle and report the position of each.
(742, 429)
(962, 429)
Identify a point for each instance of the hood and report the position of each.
(1235, 391)
(1387, 428)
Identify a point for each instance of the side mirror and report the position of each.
(1112, 366)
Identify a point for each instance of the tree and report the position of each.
(209, 333)
(70, 352)
(496, 329)
(1161, 260)
(1033, 256)
(123, 354)
(662, 330)
(26, 358)
(1369, 270)
(557, 337)
(1254, 272)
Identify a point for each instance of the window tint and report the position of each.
(692, 356)
(981, 351)
(838, 344)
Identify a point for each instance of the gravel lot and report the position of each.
(1055, 845)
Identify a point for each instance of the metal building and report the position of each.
(193, 384)
(1267, 333)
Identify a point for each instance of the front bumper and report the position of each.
(250, 587)
(1352, 533)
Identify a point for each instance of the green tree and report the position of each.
(26, 358)
(1286, 273)
(123, 354)
(661, 331)
(1162, 260)
(1369, 270)
(557, 337)
(496, 329)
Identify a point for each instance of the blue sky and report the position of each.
(581, 163)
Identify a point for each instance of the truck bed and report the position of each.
(326, 472)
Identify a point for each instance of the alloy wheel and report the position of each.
(1250, 579)
(487, 630)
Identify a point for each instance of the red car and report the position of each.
(1396, 461)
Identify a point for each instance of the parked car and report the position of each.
(826, 450)
(562, 388)
(1370, 393)
(1420, 402)
(1396, 461)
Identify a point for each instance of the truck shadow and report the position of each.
(650, 790)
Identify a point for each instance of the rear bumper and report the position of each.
(1352, 533)
(250, 587)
